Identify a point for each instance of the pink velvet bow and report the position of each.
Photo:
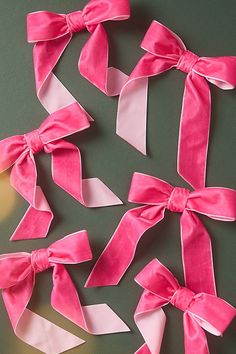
(52, 33)
(165, 50)
(18, 151)
(17, 279)
(201, 311)
(157, 196)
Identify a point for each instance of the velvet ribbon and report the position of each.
(18, 151)
(165, 50)
(157, 197)
(17, 279)
(201, 311)
(52, 33)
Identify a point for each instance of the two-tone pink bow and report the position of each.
(17, 279)
(157, 197)
(52, 33)
(201, 311)
(18, 151)
(165, 50)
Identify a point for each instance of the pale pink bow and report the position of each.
(201, 311)
(157, 196)
(165, 50)
(18, 151)
(52, 33)
(17, 279)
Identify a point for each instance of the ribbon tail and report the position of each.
(46, 55)
(132, 106)
(150, 320)
(45, 335)
(194, 131)
(194, 337)
(37, 219)
(93, 64)
(131, 124)
(67, 173)
(197, 255)
(94, 319)
(113, 262)
(32, 328)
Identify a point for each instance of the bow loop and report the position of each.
(161, 41)
(187, 61)
(182, 298)
(39, 260)
(71, 249)
(178, 200)
(34, 141)
(75, 21)
(158, 280)
(147, 189)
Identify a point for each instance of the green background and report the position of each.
(208, 28)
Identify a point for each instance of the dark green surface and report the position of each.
(208, 28)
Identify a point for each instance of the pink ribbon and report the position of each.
(201, 311)
(157, 196)
(17, 279)
(52, 33)
(165, 50)
(18, 151)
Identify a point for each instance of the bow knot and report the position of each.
(182, 298)
(178, 200)
(39, 260)
(34, 141)
(187, 61)
(75, 21)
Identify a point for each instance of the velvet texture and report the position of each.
(165, 50)
(17, 280)
(52, 33)
(157, 197)
(201, 311)
(18, 151)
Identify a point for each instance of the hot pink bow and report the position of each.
(165, 50)
(17, 279)
(52, 33)
(201, 311)
(18, 151)
(157, 196)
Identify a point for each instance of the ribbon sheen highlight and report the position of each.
(165, 50)
(157, 196)
(18, 151)
(17, 278)
(52, 33)
(201, 311)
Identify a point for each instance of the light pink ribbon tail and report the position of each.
(17, 285)
(201, 311)
(132, 106)
(150, 320)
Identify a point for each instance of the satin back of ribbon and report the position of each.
(52, 33)
(165, 50)
(18, 151)
(17, 282)
(157, 196)
(201, 311)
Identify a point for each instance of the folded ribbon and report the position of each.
(18, 151)
(52, 33)
(17, 279)
(157, 196)
(201, 311)
(165, 50)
